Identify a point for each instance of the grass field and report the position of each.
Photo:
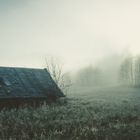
(109, 113)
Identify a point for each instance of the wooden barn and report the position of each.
(19, 86)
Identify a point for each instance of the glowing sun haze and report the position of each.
(79, 32)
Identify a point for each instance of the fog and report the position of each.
(78, 32)
(90, 85)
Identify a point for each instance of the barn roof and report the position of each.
(26, 83)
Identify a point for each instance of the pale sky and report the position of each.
(79, 32)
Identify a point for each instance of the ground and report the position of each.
(109, 113)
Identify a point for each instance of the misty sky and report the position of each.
(79, 32)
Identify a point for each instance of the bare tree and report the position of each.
(55, 68)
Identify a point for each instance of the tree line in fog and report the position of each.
(110, 71)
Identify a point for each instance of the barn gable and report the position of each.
(27, 83)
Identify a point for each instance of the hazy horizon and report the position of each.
(79, 32)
